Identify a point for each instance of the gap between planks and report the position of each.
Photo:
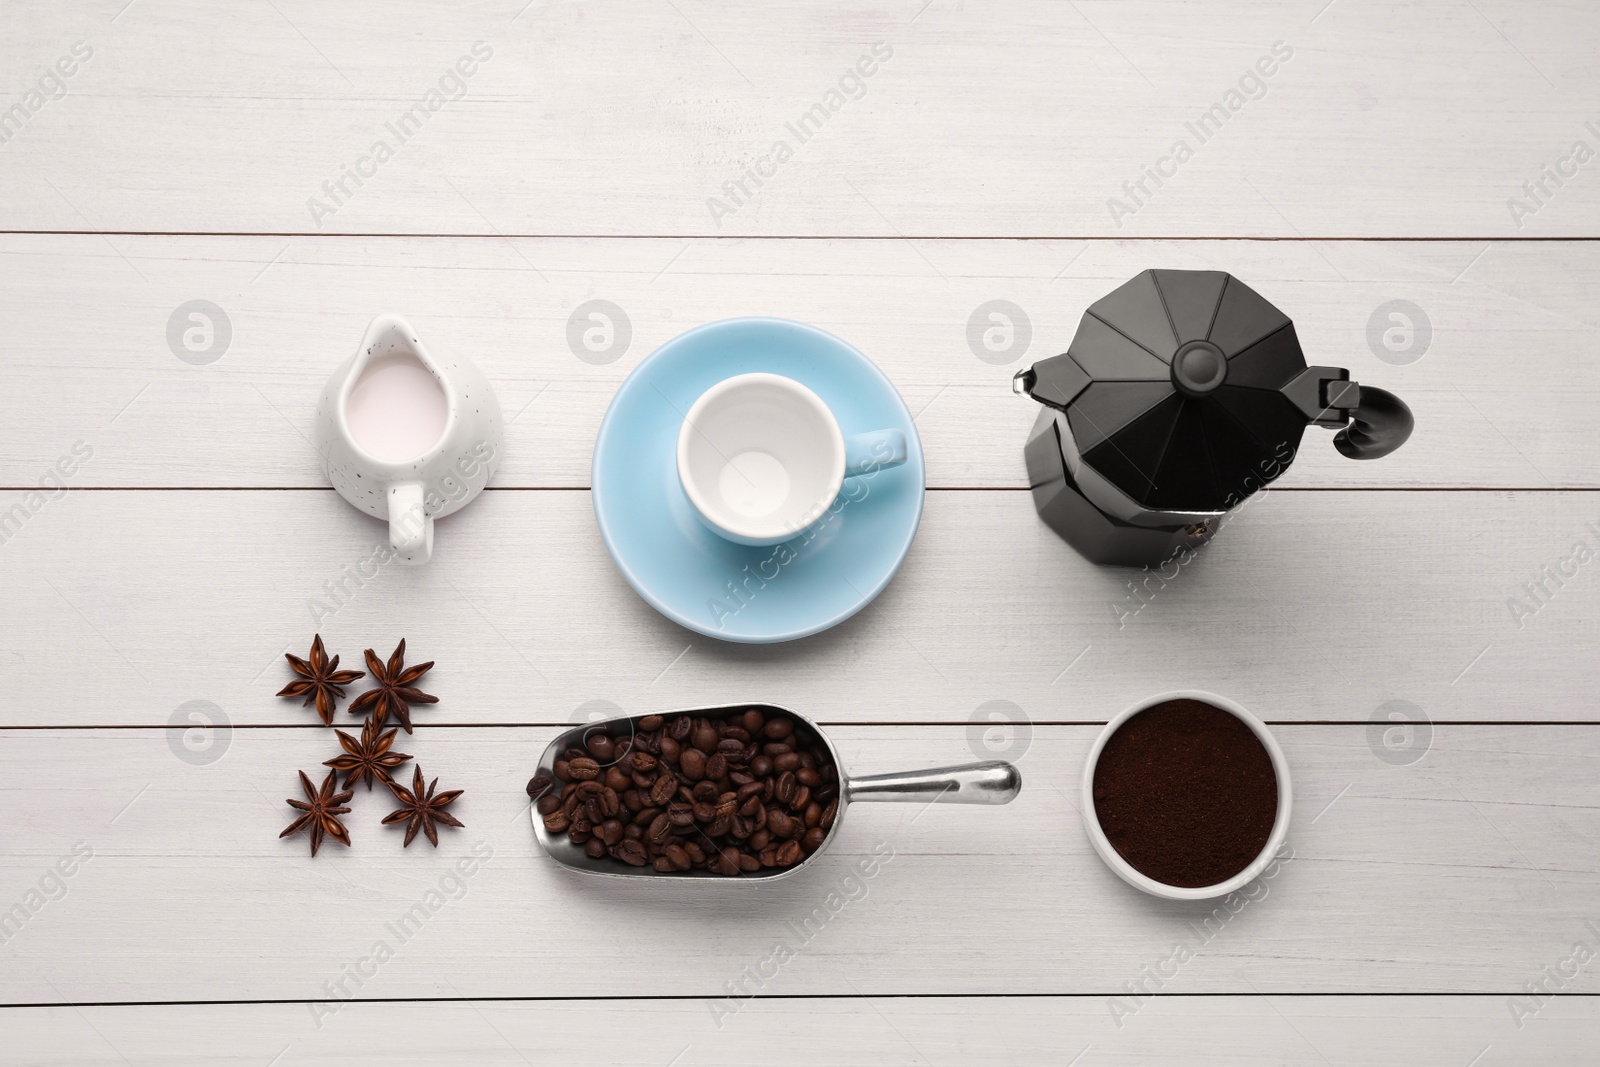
(832, 725)
(671, 997)
(1119, 238)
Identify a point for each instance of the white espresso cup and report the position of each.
(762, 458)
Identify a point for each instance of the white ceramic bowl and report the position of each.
(1124, 869)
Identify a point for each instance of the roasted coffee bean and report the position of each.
(779, 822)
(642, 781)
(610, 831)
(788, 761)
(591, 808)
(650, 722)
(618, 779)
(719, 826)
(808, 776)
(732, 746)
(753, 721)
(775, 749)
(704, 812)
(670, 750)
(643, 762)
(784, 790)
(788, 854)
(678, 857)
(557, 822)
(594, 848)
(664, 789)
(717, 766)
(727, 803)
(540, 785)
(583, 769)
(705, 737)
(761, 766)
(779, 728)
(562, 771)
(610, 802)
(590, 788)
(581, 821)
(802, 797)
(646, 817)
(760, 839)
(633, 800)
(660, 830)
(829, 813)
(650, 743)
(579, 837)
(601, 747)
(749, 808)
(813, 814)
(740, 778)
(547, 803)
(745, 792)
(662, 865)
(768, 857)
(705, 792)
(693, 763)
(681, 813)
(630, 852)
(741, 828)
(748, 863)
(633, 831)
(680, 728)
(696, 853)
(730, 861)
(813, 839)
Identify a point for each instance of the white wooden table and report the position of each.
(1431, 885)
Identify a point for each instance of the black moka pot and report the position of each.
(1182, 393)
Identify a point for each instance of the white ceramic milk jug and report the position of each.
(406, 435)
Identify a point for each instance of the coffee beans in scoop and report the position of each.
(732, 793)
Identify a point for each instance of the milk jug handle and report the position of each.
(410, 525)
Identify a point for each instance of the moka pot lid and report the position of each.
(1172, 392)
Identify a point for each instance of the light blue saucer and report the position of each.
(734, 592)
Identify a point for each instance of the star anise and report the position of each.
(368, 758)
(396, 690)
(421, 808)
(320, 680)
(322, 809)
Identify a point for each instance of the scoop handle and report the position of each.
(990, 782)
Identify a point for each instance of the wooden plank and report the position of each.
(1400, 1031)
(1307, 606)
(1466, 872)
(1504, 392)
(629, 121)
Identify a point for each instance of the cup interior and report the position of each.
(760, 456)
(1138, 879)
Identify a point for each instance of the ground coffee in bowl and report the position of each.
(1188, 794)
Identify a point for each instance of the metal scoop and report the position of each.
(988, 782)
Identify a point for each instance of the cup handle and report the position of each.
(410, 525)
(869, 453)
